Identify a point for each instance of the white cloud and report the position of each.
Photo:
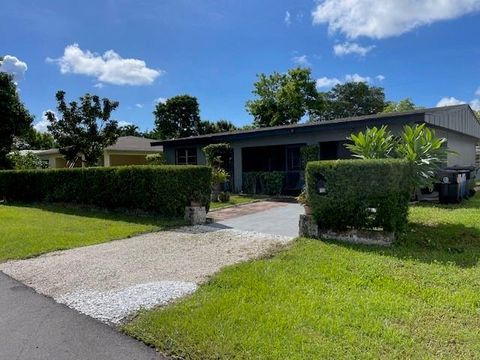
(124, 123)
(384, 18)
(325, 82)
(160, 100)
(12, 65)
(448, 101)
(351, 48)
(41, 125)
(98, 86)
(477, 93)
(288, 18)
(140, 106)
(107, 68)
(301, 60)
(357, 78)
(475, 104)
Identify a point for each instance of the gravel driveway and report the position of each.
(113, 280)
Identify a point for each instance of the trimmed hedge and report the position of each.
(360, 194)
(164, 190)
(263, 182)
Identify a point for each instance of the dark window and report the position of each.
(329, 150)
(263, 158)
(187, 156)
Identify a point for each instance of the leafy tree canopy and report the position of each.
(15, 120)
(129, 130)
(178, 117)
(403, 105)
(35, 140)
(85, 127)
(210, 127)
(283, 99)
(353, 99)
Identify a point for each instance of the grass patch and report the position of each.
(419, 299)
(27, 231)
(234, 200)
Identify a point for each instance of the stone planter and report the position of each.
(308, 227)
(196, 215)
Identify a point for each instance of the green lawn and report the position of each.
(420, 300)
(234, 200)
(27, 231)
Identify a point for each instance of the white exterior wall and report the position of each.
(463, 145)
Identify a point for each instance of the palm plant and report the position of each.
(375, 143)
(418, 145)
(424, 151)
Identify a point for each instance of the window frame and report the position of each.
(190, 156)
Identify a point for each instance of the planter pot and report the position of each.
(308, 210)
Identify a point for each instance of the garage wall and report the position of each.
(122, 160)
(464, 146)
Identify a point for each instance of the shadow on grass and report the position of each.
(104, 214)
(442, 243)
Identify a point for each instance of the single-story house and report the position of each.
(128, 150)
(278, 148)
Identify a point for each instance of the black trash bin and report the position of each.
(449, 189)
(470, 174)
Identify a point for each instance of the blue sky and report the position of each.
(140, 51)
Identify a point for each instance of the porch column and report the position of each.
(237, 169)
(106, 159)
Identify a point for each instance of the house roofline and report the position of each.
(369, 119)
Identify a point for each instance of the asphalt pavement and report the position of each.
(34, 327)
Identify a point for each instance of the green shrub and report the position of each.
(25, 161)
(164, 190)
(156, 159)
(418, 145)
(263, 182)
(217, 155)
(309, 153)
(360, 194)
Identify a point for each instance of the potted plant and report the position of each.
(303, 200)
(196, 199)
(219, 177)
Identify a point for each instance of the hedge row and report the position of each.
(164, 190)
(360, 194)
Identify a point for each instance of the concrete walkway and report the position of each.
(34, 327)
(279, 219)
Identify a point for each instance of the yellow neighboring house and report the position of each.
(128, 150)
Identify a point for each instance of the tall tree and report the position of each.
(353, 99)
(403, 105)
(85, 127)
(36, 140)
(283, 99)
(210, 127)
(15, 120)
(129, 130)
(178, 117)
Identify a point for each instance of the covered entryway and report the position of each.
(281, 158)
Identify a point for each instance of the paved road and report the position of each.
(281, 220)
(34, 327)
